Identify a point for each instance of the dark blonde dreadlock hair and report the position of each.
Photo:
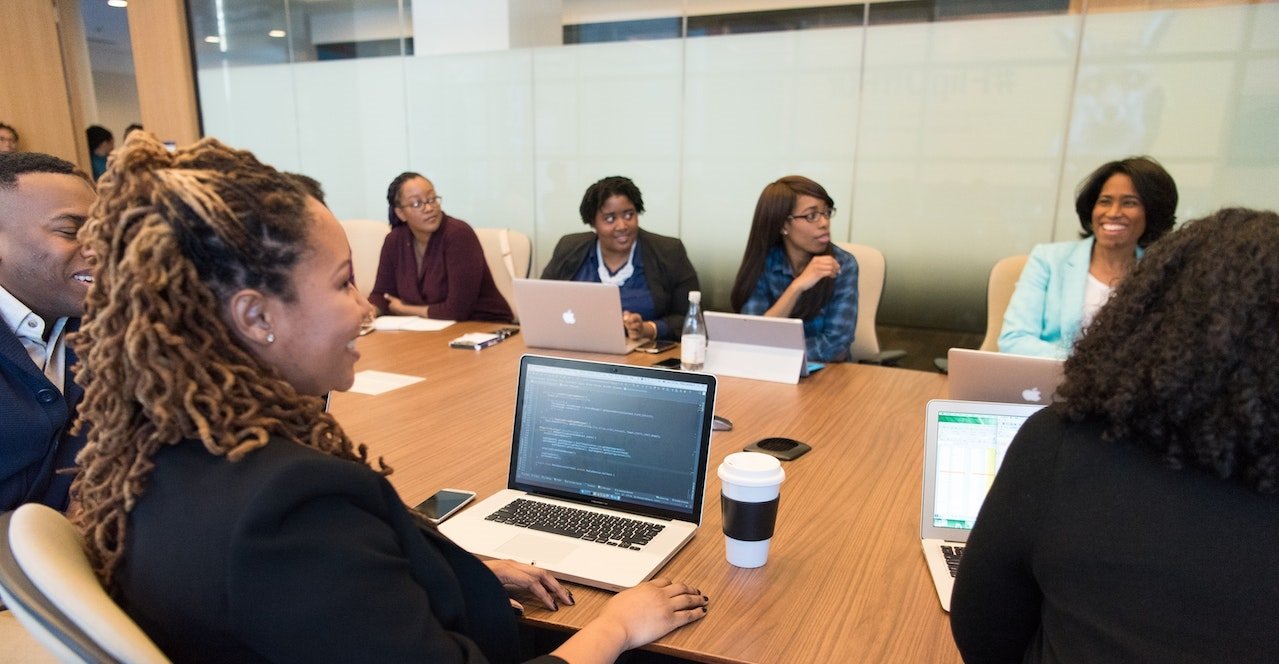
(175, 234)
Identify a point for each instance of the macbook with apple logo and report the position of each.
(572, 315)
(977, 375)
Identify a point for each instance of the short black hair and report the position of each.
(13, 164)
(1154, 185)
(10, 128)
(131, 128)
(97, 135)
(599, 193)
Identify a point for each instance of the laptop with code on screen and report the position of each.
(964, 443)
(607, 472)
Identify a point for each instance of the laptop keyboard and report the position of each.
(952, 554)
(578, 524)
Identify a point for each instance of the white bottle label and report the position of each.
(692, 350)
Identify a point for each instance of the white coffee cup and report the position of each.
(751, 486)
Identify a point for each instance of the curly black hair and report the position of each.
(1184, 358)
(598, 194)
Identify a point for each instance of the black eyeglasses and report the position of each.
(417, 204)
(811, 217)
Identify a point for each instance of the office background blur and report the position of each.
(950, 133)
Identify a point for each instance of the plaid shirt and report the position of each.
(829, 333)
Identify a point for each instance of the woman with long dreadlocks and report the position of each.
(230, 516)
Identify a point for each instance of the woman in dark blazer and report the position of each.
(230, 515)
(652, 271)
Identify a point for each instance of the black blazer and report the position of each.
(670, 274)
(34, 419)
(294, 555)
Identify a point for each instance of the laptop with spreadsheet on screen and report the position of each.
(607, 473)
(964, 443)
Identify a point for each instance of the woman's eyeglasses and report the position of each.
(811, 217)
(418, 204)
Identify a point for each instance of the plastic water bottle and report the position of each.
(692, 342)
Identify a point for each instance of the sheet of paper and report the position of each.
(377, 382)
(410, 323)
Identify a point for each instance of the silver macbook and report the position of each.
(964, 443)
(607, 473)
(977, 375)
(572, 315)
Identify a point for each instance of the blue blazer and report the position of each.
(1043, 318)
(34, 419)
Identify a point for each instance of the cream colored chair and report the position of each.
(46, 580)
(871, 274)
(509, 254)
(999, 292)
(366, 237)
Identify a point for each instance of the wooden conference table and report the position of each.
(845, 579)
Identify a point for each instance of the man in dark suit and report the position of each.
(44, 277)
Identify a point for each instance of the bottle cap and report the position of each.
(695, 296)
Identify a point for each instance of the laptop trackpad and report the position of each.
(536, 547)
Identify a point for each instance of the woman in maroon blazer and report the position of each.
(432, 264)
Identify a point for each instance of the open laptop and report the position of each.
(977, 375)
(759, 347)
(964, 443)
(597, 441)
(572, 315)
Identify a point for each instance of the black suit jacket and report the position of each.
(670, 274)
(294, 555)
(34, 420)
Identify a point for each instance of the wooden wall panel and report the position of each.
(162, 63)
(34, 97)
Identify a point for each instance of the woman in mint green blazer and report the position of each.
(1123, 206)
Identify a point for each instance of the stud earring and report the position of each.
(785, 232)
(270, 337)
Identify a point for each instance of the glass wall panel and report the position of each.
(601, 110)
(959, 159)
(946, 143)
(470, 131)
(759, 107)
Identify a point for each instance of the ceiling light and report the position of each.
(212, 39)
(276, 33)
(117, 3)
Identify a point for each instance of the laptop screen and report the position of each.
(970, 445)
(631, 438)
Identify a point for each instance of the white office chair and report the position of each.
(509, 254)
(366, 237)
(48, 584)
(871, 274)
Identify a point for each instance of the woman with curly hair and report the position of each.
(1138, 519)
(1123, 207)
(230, 515)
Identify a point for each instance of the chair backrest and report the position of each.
(46, 580)
(870, 287)
(999, 290)
(509, 254)
(366, 237)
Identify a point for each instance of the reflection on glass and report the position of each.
(261, 32)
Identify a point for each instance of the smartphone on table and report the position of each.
(655, 346)
(444, 504)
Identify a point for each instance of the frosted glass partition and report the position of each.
(946, 145)
(961, 141)
(607, 109)
(759, 107)
(470, 130)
